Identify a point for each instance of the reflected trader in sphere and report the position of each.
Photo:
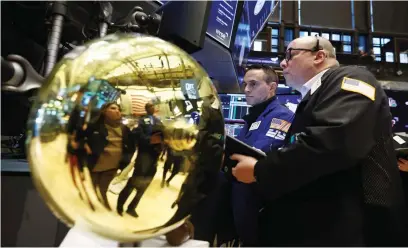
(109, 146)
(149, 149)
(175, 159)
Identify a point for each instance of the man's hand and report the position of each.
(403, 164)
(88, 149)
(244, 170)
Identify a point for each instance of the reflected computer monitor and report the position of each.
(398, 102)
(102, 91)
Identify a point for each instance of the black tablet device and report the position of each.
(233, 145)
(402, 153)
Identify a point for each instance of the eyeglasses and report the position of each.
(288, 53)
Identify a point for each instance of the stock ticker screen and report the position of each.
(398, 102)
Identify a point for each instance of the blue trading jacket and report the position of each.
(230, 212)
(269, 130)
(267, 133)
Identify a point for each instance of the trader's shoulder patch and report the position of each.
(280, 124)
(358, 86)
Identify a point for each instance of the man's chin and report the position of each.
(294, 86)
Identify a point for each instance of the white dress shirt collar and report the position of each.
(309, 84)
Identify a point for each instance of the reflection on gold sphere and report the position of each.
(113, 116)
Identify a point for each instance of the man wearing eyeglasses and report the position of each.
(335, 182)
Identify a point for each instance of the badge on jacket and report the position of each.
(276, 134)
(358, 86)
(146, 120)
(255, 125)
(280, 124)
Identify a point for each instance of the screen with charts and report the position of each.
(234, 106)
(398, 102)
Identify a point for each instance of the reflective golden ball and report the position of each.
(110, 121)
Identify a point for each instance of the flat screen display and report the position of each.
(221, 20)
(242, 44)
(271, 61)
(234, 106)
(258, 13)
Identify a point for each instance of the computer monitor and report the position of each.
(398, 102)
(220, 21)
(233, 129)
(234, 106)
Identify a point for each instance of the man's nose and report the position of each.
(283, 64)
(246, 89)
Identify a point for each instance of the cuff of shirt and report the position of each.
(256, 171)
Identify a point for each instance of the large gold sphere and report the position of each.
(110, 119)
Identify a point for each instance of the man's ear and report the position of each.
(320, 57)
(273, 85)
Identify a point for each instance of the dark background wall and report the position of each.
(388, 16)
(361, 15)
(333, 14)
(289, 10)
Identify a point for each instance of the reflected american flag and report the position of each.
(138, 104)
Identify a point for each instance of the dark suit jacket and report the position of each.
(96, 137)
(336, 181)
